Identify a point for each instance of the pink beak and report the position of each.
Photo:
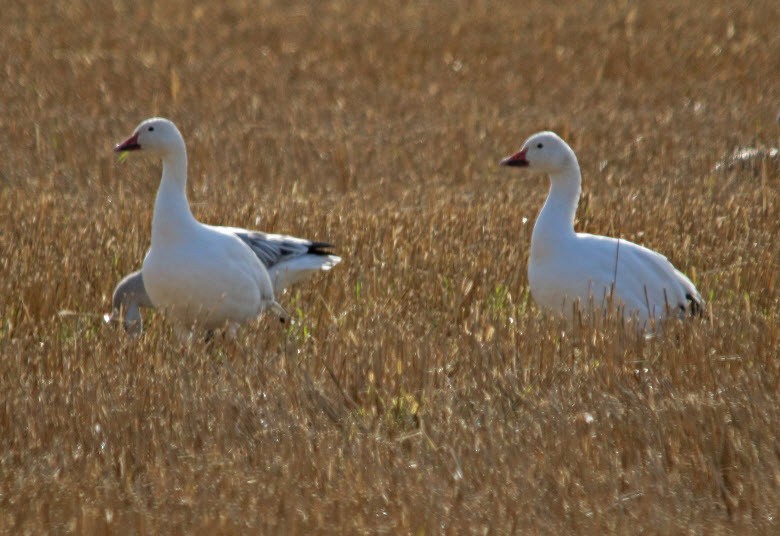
(516, 160)
(130, 144)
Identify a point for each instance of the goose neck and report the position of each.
(555, 224)
(172, 214)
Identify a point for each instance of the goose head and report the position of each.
(156, 135)
(545, 152)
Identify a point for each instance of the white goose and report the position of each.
(565, 267)
(199, 274)
(288, 260)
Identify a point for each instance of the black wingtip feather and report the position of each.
(320, 248)
(695, 305)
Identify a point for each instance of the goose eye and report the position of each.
(151, 129)
(539, 145)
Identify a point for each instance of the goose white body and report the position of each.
(288, 259)
(602, 271)
(207, 277)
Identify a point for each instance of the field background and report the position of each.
(420, 391)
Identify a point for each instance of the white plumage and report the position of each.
(289, 260)
(199, 274)
(565, 267)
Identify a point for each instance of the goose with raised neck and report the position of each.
(569, 271)
(198, 274)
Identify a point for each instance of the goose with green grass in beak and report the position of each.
(200, 275)
(568, 270)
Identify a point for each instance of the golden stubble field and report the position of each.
(420, 391)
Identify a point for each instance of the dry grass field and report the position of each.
(419, 390)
